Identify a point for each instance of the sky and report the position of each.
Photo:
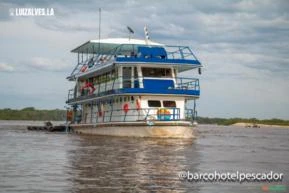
(242, 44)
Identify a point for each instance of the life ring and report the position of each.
(101, 111)
(138, 105)
(88, 85)
(69, 115)
(164, 114)
(83, 68)
(125, 108)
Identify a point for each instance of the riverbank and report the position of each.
(22, 124)
(243, 124)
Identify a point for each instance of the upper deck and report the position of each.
(98, 55)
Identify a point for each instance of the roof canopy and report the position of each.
(106, 46)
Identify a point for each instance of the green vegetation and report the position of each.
(222, 121)
(30, 113)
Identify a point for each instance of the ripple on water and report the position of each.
(56, 162)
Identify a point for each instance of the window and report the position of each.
(154, 103)
(135, 73)
(169, 103)
(113, 74)
(157, 72)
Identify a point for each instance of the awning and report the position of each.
(107, 46)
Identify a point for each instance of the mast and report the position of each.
(99, 29)
(147, 37)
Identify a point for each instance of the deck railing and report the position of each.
(136, 115)
(110, 86)
(131, 115)
(190, 114)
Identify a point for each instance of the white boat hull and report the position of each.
(176, 129)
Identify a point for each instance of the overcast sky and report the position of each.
(243, 45)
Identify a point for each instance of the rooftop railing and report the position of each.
(131, 52)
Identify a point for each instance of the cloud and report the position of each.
(47, 64)
(243, 44)
(6, 67)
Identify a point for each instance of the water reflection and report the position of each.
(110, 164)
(58, 162)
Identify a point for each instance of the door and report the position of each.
(126, 77)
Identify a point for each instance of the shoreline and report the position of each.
(24, 123)
(253, 125)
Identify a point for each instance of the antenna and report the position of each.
(99, 29)
(130, 31)
(147, 37)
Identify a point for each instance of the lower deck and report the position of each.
(133, 109)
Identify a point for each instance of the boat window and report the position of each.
(157, 72)
(169, 103)
(113, 74)
(135, 73)
(132, 98)
(152, 103)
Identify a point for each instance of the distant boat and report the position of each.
(132, 87)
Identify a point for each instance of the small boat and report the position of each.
(133, 87)
(48, 126)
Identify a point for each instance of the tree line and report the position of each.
(230, 121)
(30, 113)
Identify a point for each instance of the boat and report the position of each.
(132, 87)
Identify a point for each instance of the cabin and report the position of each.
(131, 80)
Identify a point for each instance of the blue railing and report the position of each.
(138, 53)
(167, 55)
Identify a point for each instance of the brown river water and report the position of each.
(33, 161)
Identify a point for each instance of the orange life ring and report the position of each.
(138, 105)
(69, 115)
(125, 108)
(83, 68)
(101, 111)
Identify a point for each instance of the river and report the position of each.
(34, 161)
